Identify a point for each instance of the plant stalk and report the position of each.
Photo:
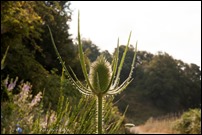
(99, 114)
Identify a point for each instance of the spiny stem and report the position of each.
(99, 113)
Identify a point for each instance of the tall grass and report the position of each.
(164, 124)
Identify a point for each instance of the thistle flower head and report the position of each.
(100, 74)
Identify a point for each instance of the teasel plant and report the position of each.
(103, 78)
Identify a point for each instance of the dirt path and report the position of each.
(138, 130)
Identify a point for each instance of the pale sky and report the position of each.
(172, 27)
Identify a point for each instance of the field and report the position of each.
(161, 125)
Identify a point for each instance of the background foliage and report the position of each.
(190, 122)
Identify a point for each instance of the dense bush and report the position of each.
(190, 122)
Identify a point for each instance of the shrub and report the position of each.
(190, 122)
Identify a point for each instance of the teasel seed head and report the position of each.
(100, 74)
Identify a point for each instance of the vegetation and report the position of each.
(163, 124)
(190, 122)
(161, 84)
(24, 113)
(103, 78)
(28, 46)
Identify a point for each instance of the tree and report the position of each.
(161, 85)
(161, 82)
(19, 17)
(126, 67)
(57, 15)
(190, 76)
(170, 84)
(20, 22)
(107, 55)
(31, 56)
(90, 49)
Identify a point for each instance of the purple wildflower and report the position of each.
(36, 99)
(26, 87)
(6, 81)
(12, 84)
